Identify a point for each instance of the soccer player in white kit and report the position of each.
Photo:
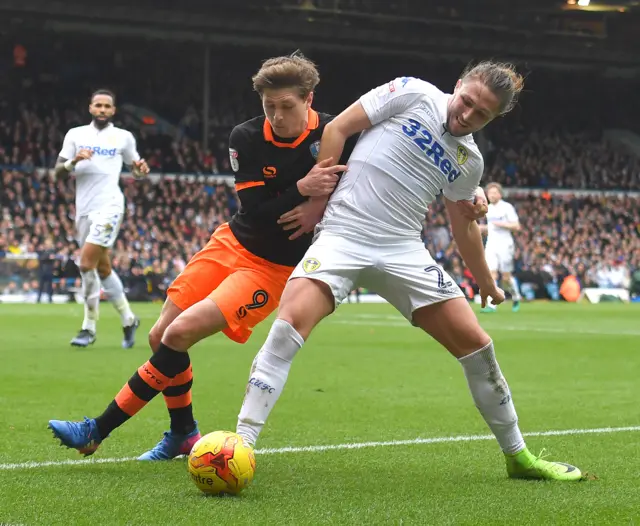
(502, 221)
(416, 142)
(94, 154)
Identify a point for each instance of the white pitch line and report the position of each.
(386, 322)
(333, 447)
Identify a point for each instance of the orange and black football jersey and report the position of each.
(267, 169)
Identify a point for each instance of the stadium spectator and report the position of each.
(47, 260)
(595, 238)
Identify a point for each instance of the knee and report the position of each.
(177, 335)
(481, 338)
(104, 271)
(155, 338)
(304, 315)
(294, 318)
(475, 340)
(86, 267)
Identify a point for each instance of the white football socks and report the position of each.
(492, 397)
(115, 293)
(91, 293)
(268, 375)
(515, 288)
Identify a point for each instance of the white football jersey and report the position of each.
(501, 211)
(97, 178)
(401, 164)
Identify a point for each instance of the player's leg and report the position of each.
(305, 302)
(510, 283)
(169, 362)
(50, 288)
(114, 291)
(89, 258)
(455, 326)
(170, 311)
(249, 292)
(166, 364)
(204, 273)
(321, 281)
(427, 296)
(96, 233)
(509, 280)
(41, 286)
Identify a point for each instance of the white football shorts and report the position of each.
(100, 227)
(500, 258)
(404, 274)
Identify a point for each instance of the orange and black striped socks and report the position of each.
(150, 379)
(178, 399)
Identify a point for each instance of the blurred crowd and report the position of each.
(549, 141)
(165, 225)
(597, 239)
(551, 159)
(594, 238)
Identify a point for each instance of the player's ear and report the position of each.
(309, 100)
(458, 84)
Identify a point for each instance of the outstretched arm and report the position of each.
(466, 234)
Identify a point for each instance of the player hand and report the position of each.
(476, 210)
(303, 218)
(491, 291)
(139, 168)
(321, 180)
(83, 155)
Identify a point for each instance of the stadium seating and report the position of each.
(595, 238)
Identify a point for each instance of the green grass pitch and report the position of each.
(365, 376)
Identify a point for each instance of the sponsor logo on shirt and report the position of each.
(233, 159)
(97, 150)
(425, 140)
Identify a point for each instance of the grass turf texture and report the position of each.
(364, 376)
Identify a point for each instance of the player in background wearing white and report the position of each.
(417, 142)
(94, 154)
(502, 221)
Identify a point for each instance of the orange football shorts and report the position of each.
(245, 287)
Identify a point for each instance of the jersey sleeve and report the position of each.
(392, 98)
(68, 150)
(464, 188)
(512, 215)
(130, 150)
(250, 185)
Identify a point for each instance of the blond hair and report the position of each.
(291, 71)
(497, 186)
(501, 78)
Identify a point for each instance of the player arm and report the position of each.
(351, 121)
(373, 107)
(131, 158)
(466, 231)
(513, 226)
(512, 223)
(66, 158)
(130, 152)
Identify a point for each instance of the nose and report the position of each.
(467, 116)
